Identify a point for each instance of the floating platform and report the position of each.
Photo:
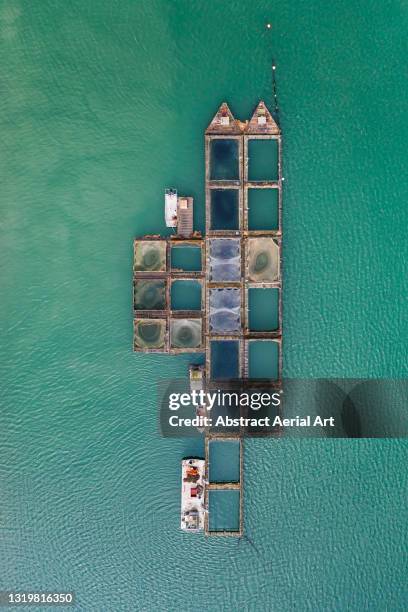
(178, 212)
(236, 267)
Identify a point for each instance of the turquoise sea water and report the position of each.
(103, 105)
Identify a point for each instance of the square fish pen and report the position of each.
(186, 295)
(263, 312)
(150, 256)
(224, 492)
(224, 209)
(186, 257)
(224, 358)
(186, 335)
(150, 335)
(224, 176)
(224, 260)
(263, 359)
(166, 272)
(150, 294)
(224, 159)
(262, 261)
(261, 210)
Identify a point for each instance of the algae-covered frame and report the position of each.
(186, 334)
(224, 458)
(263, 260)
(150, 255)
(149, 294)
(149, 334)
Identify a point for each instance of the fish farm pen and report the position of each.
(221, 294)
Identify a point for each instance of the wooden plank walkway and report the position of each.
(184, 216)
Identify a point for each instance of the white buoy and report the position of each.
(269, 26)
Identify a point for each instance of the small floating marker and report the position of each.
(268, 26)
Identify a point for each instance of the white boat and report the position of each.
(170, 210)
(192, 494)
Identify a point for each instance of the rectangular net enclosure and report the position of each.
(263, 260)
(149, 333)
(186, 333)
(224, 460)
(186, 295)
(263, 209)
(263, 159)
(186, 258)
(225, 409)
(150, 255)
(224, 359)
(225, 259)
(263, 357)
(263, 309)
(225, 310)
(149, 294)
(224, 209)
(224, 159)
(224, 510)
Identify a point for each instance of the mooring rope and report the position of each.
(268, 27)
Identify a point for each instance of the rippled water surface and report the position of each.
(103, 105)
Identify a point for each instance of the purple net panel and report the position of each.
(225, 259)
(225, 310)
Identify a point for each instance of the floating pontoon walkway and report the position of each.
(185, 217)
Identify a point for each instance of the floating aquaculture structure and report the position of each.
(206, 300)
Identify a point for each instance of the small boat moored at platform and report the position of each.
(170, 211)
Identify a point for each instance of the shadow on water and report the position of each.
(364, 408)
(245, 538)
(381, 407)
(350, 419)
(359, 408)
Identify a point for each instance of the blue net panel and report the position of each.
(225, 310)
(225, 259)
